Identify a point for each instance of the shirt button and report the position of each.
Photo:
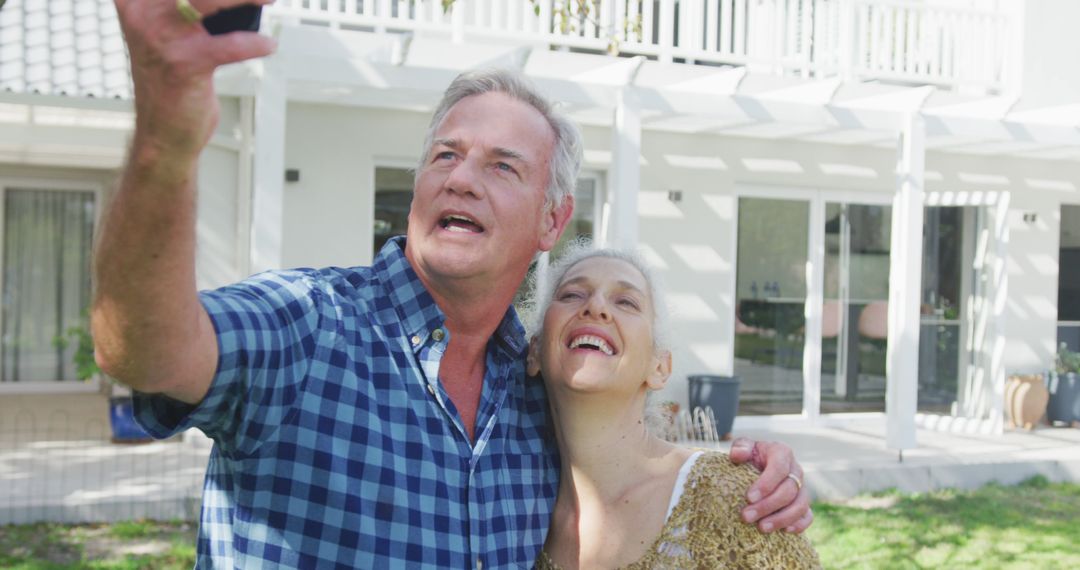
(431, 389)
(415, 340)
(479, 564)
(437, 334)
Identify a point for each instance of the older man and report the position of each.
(371, 417)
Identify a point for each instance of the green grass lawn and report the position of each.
(139, 545)
(1033, 525)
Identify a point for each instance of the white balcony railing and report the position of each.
(887, 40)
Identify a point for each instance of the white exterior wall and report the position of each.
(1050, 44)
(694, 241)
(1034, 187)
(220, 195)
(330, 211)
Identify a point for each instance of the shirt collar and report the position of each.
(415, 308)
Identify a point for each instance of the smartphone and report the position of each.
(240, 19)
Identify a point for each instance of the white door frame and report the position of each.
(815, 281)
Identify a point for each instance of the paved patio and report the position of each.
(843, 462)
(79, 481)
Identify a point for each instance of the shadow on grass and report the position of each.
(1032, 525)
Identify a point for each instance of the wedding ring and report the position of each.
(798, 483)
(189, 13)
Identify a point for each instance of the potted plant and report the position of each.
(121, 405)
(1064, 385)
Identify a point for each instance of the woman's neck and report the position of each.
(604, 445)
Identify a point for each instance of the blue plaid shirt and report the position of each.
(336, 446)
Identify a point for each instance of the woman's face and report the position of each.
(598, 331)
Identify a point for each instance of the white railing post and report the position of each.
(667, 30)
(457, 21)
(693, 28)
(383, 15)
(648, 23)
(1012, 76)
(807, 15)
(546, 24)
(741, 23)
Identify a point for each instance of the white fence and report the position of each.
(56, 470)
(856, 39)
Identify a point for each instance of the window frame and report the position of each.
(1058, 322)
(377, 163)
(72, 386)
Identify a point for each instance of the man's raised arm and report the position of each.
(150, 331)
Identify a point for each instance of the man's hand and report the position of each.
(172, 66)
(774, 501)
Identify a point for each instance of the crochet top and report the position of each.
(705, 529)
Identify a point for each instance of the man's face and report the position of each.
(478, 202)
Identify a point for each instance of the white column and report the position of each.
(815, 291)
(905, 277)
(268, 171)
(998, 297)
(625, 171)
(245, 189)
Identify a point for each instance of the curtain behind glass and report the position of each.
(46, 280)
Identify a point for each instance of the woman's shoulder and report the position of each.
(716, 471)
(715, 496)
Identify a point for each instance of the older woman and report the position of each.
(627, 498)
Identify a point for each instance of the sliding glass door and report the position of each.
(783, 241)
(854, 323)
(770, 299)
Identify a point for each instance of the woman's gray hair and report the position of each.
(565, 157)
(581, 249)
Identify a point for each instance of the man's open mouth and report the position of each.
(459, 223)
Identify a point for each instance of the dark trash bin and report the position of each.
(1064, 403)
(721, 393)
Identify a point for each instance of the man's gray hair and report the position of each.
(566, 156)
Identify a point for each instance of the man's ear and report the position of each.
(532, 360)
(554, 222)
(661, 370)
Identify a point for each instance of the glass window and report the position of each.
(770, 290)
(584, 218)
(855, 307)
(940, 321)
(581, 224)
(393, 194)
(46, 280)
(1069, 278)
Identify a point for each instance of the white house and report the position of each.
(858, 206)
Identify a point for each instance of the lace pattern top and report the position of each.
(705, 530)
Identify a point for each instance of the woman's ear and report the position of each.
(532, 360)
(661, 370)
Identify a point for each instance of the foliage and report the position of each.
(1067, 360)
(83, 359)
(1032, 525)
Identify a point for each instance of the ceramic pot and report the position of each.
(1026, 397)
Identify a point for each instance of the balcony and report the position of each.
(966, 49)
